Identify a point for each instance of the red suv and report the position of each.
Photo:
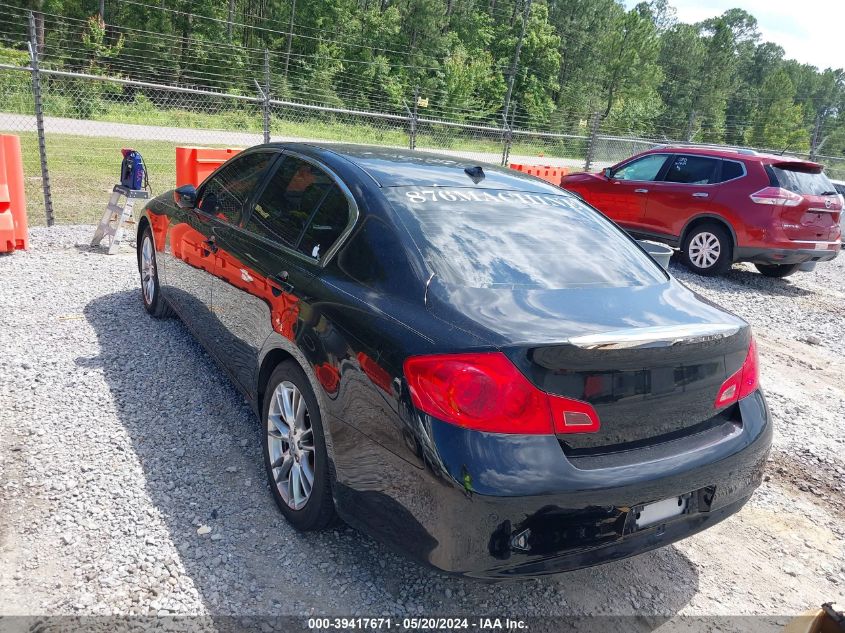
(721, 206)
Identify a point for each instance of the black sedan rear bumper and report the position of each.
(617, 549)
(783, 255)
(504, 506)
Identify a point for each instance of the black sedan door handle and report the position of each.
(281, 280)
(210, 244)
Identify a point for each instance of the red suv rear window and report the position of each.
(803, 182)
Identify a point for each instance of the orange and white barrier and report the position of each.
(195, 164)
(13, 221)
(546, 172)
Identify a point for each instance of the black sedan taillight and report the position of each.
(742, 383)
(486, 392)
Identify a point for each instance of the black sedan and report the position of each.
(467, 363)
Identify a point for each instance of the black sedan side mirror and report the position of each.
(608, 173)
(185, 196)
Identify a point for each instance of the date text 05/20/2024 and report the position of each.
(415, 624)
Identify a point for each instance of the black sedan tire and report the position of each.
(294, 448)
(708, 250)
(154, 303)
(777, 270)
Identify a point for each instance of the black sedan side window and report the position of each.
(328, 223)
(302, 208)
(226, 192)
(284, 207)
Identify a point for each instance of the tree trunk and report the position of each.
(611, 90)
(446, 23)
(290, 35)
(562, 74)
(39, 27)
(185, 46)
(230, 20)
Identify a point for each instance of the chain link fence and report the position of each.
(73, 124)
(477, 143)
(17, 115)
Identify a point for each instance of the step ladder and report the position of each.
(117, 215)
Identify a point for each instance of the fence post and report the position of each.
(266, 104)
(515, 63)
(39, 120)
(413, 136)
(591, 148)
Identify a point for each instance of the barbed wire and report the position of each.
(347, 88)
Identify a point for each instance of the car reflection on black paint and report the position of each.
(467, 363)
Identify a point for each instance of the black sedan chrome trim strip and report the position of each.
(655, 336)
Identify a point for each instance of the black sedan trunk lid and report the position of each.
(650, 359)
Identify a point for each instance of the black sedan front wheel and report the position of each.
(295, 451)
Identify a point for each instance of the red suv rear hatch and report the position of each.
(805, 200)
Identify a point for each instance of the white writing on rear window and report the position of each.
(420, 196)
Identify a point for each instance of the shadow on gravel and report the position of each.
(198, 444)
(740, 279)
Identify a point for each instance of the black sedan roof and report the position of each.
(395, 167)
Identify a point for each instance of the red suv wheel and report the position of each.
(707, 249)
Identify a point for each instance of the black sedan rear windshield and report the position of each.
(487, 238)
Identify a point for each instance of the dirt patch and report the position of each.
(812, 476)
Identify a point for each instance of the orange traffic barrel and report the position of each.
(195, 164)
(13, 221)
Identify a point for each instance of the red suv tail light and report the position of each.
(743, 382)
(777, 196)
(486, 392)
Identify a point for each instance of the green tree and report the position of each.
(94, 40)
(628, 58)
(778, 121)
(641, 69)
(683, 55)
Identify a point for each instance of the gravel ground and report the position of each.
(131, 479)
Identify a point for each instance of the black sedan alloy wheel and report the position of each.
(294, 450)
